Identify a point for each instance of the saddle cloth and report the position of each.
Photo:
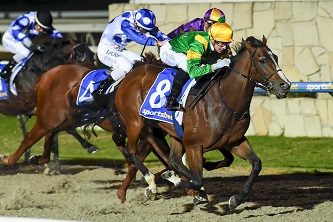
(153, 106)
(90, 83)
(12, 87)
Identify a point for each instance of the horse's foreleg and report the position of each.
(144, 148)
(84, 143)
(175, 158)
(195, 181)
(245, 151)
(226, 162)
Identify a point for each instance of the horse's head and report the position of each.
(264, 68)
(70, 51)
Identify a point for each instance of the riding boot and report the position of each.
(181, 78)
(103, 86)
(7, 70)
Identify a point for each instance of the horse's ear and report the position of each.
(264, 40)
(247, 44)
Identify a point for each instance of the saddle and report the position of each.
(203, 83)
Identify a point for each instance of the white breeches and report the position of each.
(15, 47)
(121, 61)
(172, 58)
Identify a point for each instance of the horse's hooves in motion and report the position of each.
(121, 196)
(200, 197)
(4, 159)
(92, 149)
(234, 202)
(199, 200)
(33, 160)
(149, 194)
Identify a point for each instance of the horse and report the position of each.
(58, 88)
(217, 119)
(53, 54)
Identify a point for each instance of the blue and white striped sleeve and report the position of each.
(18, 25)
(135, 35)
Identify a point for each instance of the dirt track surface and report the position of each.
(89, 194)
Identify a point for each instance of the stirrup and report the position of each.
(175, 107)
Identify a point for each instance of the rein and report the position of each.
(72, 51)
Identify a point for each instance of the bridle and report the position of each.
(72, 53)
(70, 58)
(267, 85)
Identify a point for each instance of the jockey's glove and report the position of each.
(220, 63)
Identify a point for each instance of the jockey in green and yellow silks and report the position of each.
(187, 52)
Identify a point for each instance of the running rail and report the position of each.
(309, 87)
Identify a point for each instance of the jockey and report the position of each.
(187, 52)
(17, 39)
(138, 26)
(212, 16)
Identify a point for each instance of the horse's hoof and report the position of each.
(200, 197)
(150, 195)
(167, 174)
(93, 149)
(233, 202)
(199, 200)
(33, 160)
(4, 159)
(121, 196)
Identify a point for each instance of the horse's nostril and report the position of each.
(284, 86)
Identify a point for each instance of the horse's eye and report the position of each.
(262, 59)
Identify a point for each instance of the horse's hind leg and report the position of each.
(29, 140)
(84, 143)
(24, 131)
(50, 139)
(245, 152)
(226, 162)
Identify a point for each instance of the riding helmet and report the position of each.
(44, 19)
(221, 32)
(214, 15)
(145, 19)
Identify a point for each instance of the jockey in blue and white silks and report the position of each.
(138, 26)
(17, 38)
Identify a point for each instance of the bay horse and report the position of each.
(55, 53)
(219, 119)
(58, 88)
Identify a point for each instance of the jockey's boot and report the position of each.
(103, 86)
(181, 78)
(7, 70)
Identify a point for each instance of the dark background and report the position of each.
(56, 5)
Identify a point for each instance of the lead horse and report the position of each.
(55, 53)
(218, 120)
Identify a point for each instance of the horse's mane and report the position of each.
(239, 48)
(150, 58)
(56, 45)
